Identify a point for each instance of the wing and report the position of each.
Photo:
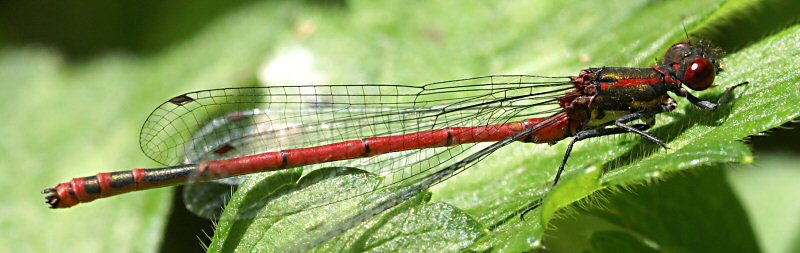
(225, 123)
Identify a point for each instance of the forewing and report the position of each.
(225, 123)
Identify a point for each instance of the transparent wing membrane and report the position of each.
(226, 123)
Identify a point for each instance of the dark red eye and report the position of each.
(700, 74)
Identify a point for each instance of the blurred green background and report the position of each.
(77, 79)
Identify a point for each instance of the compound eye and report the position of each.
(700, 74)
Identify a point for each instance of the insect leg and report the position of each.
(706, 105)
(583, 135)
(591, 133)
(637, 115)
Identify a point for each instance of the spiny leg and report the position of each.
(591, 133)
(620, 123)
(706, 105)
(583, 135)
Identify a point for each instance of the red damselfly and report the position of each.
(412, 136)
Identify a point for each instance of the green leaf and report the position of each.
(496, 195)
(696, 138)
(684, 214)
(68, 119)
(768, 190)
(413, 225)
